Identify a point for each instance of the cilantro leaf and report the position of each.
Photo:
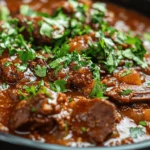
(136, 132)
(59, 86)
(84, 129)
(21, 68)
(5, 86)
(40, 71)
(127, 72)
(26, 10)
(143, 123)
(147, 36)
(4, 13)
(7, 64)
(126, 92)
(46, 30)
(97, 91)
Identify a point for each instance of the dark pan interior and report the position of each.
(142, 6)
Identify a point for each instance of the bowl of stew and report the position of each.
(74, 74)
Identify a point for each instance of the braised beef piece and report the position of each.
(96, 115)
(32, 113)
(32, 29)
(136, 93)
(94, 119)
(81, 78)
(127, 86)
(9, 72)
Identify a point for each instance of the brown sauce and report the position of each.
(129, 115)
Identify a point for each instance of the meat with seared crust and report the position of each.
(9, 73)
(96, 116)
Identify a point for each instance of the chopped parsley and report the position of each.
(136, 132)
(84, 129)
(33, 110)
(40, 71)
(97, 90)
(125, 73)
(5, 86)
(102, 52)
(4, 13)
(70, 100)
(7, 64)
(143, 123)
(46, 30)
(22, 67)
(148, 84)
(33, 90)
(147, 36)
(126, 92)
(59, 86)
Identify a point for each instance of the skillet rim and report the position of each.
(26, 143)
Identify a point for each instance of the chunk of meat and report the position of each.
(32, 28)
(136, 93)
(9, 72)
(42, 113)
(31, 113)
(129, 76)
(39, 112)
(81, 78)
(80, 43)
(97, 117)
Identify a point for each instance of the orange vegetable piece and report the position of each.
(129, 76)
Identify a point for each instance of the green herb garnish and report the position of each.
(84, 129)
(40, 71)
(59, 86)
(127, 72)
(126, 92)
(143, 123)
(136, 132)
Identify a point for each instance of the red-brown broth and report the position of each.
(123, 19)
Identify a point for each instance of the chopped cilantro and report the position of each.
(7, 64)
(97, 90)
(84, 129)
(5, 86)
(26, 11)
(21, 68)
(126, 92)
(125, 73)
(31, 90)
(147, 36)
(59, 86)
(136, 132)
(46, 29)
(4, 13)
(148, 84)
(40, 71)
(70, 100)
(143, 123)
(33, 109)
(34, 90)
